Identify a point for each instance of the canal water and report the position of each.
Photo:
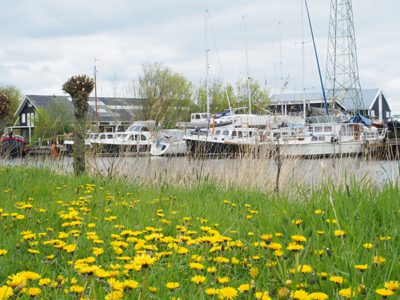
(239, 172)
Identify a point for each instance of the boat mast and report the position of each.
(207, 67)
(303, 61)
(247, 64)
(316, 57)
(280, 67)
(95, 93)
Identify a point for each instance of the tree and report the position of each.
(5, 107)
(168, 95)
(259, 97)
(57, 119)
(79, 87)
(218, 94)
(14, 95)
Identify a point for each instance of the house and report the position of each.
(375, 103)
(111, 114)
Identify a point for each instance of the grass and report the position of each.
(153, 236)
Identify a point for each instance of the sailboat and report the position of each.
(327, 138)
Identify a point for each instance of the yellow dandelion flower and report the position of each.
(347, 293)
(339, 233)
(294, 247)
(6, 292)
(299, 238)
(318, 211)
(266, 237)
(378, 260)
(130, 284)
(243, 288)
(262, 296)
(32, 292)
(222, 280)
(392, 285)
(211, 291)
(336, 279)
(44, 282)
(3, 252)
(198, 279)
(368, 246)
(212, 270)
(254, 272)
(300, 295)
(275, 246)
(172, 285)
(361, 267)
(305, 269)
(228, 292)
(318, 296)
(196, 266)
(384, 292)
(76, 289)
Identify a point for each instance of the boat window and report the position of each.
(204, 116)
(240, 134)
(144, 129)
(318, 129)
(328, 129)
(225, 132)
(234, 133)
(133, 137)
(218, 132)
(250, 133)
(110, 136)
(143, 137)
(245, 133)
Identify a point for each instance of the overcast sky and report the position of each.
(44, 42)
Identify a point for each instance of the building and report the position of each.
(110, 114)
(376, 105)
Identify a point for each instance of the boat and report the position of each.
(324, 140)
(168, 142)
(12, 146)
(225, 141)
(137, 138)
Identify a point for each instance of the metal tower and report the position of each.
(342, 77)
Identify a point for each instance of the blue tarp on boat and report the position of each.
(358, 118)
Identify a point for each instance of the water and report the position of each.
(243, 172)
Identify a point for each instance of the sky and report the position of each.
(44, 42)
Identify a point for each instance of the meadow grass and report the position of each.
(69, 237)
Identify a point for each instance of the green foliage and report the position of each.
(14, 96)
(56, 120)
(259, 96)
(218, 94)
(233, 231)
(168, 95)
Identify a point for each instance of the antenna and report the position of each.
(342, 76)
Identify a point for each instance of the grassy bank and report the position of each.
(65, 237)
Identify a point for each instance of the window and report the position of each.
(23, 118)
(143, 137)
(372, 113)
(388, 115)
(225, 132)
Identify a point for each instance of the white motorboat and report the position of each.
(168, 143)
(324, 139)
(137, 138)
(227, 140)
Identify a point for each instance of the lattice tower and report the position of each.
(342, 77)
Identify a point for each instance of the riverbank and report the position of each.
(96, 238)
